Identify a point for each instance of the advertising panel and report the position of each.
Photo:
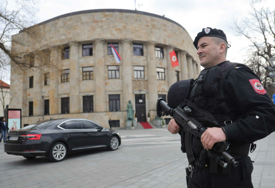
(14, 119)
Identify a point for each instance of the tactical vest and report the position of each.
(207, 91)
(207, 94)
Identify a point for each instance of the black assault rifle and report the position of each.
(192, 126)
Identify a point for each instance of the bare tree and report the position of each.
(259, 29)
(15, 16)
(5, 98)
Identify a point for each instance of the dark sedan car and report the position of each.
(55, 138)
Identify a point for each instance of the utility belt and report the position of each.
(204, 162)
(237, 151)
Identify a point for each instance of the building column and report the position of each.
(99, 76)
(74, 78)
(18, 87)
(183, 65)
(37, 89)
(25, 85)
(55, 55)
(198, 68)
(126, 73)
(171, 73)
(152, 76)
(195, 72)
(190, 67)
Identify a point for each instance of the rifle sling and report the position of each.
(188, 147)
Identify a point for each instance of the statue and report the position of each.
(130, 111)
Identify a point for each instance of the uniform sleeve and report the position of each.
(257, 118)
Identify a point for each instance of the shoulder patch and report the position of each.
(238, 67)
(257, 86)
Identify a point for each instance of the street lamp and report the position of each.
(271, 69)
(272, 62)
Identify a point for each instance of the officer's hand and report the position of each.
(212, 136)
(173, 127)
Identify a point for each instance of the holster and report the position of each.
(187, 175)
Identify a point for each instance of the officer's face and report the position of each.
(209, 52)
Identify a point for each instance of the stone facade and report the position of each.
(100, 27)
(4, 96)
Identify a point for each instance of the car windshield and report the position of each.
(41, 125)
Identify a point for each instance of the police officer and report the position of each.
(233, 94)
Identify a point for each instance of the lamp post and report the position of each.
(272, 61)
(271, 73)
(271, 69)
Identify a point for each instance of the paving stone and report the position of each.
(146, 159)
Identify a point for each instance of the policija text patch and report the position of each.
(257, 86)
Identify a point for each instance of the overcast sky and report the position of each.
(193, 15)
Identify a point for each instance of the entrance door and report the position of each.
(140, 107)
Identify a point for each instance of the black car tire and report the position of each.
(113, 143)
(57, 152)
(29, 158)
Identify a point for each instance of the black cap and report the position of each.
(209, 32)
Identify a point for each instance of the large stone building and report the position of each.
(81, 78)
(4, 96)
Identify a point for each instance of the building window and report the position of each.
(87, 50)
(65, 75)
(114, 102)
(162, 96)
(30, 108)
(109, 48)
(138, 49)
(46, 107)
(178, 75)
(113, 72)
(47, 79)
(87, 73)
(66, 53)
(138, 72)
(88, 104)
(160, 73)
(31, 61)
(31, 82)
(115, 123)
(65, 105)
(159, 52)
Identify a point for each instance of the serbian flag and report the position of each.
(116, 54)
(173, 58)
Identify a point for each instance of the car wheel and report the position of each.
(114, 143)
(58, 152)
(27, 157)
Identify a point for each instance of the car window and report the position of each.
(72, 125)
(42, 125)
(63, 125)
(89, 125)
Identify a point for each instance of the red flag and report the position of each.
(174, 60)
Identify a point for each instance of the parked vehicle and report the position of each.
(56, 138)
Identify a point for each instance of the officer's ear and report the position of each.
(222, 48)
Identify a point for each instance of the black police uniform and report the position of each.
(240, 104)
